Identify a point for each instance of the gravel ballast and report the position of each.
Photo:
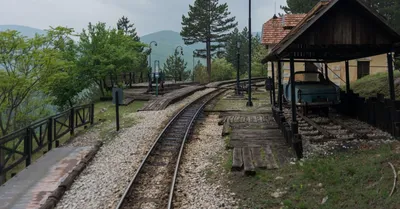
(199, 180)
(105, 179)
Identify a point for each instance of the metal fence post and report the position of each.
(71, 121)
(91, 114)
(50, 134)
(28, 146)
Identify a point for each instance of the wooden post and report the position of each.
(28, 146)
(292, 88)
(280, 85)
(92, 114)
(273, 84)
(71, 122)
(391, 78)
(326, 71)
(50, 134)
(117, 109)
(347, 76)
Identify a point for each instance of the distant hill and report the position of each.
(24, 30)
(167, 42)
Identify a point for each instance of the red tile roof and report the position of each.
(275, 29)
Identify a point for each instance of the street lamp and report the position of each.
(238, 45)
(176, 49)
(156, 74)
(149, 74)
(249, 102)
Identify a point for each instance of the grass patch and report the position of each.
(371, 85)
(356, 179)
(105, 112)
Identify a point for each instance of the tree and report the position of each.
(222, 70)
(106, 53)
(207, 22)
(299, 6)
(26, 65)
(129, 30)
(66, 84)
(390, 9)
(175, 67)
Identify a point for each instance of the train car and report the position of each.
(312, 91)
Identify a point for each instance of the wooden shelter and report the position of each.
(333, 31)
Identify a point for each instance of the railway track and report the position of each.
(335, 127)
(153, 184)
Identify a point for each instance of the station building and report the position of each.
(276, 28)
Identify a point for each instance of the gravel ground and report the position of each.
(103, 182)
(199, 180)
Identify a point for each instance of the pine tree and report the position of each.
(207, 22)
(175, 67)
(129, 29)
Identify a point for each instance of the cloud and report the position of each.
(148, 15)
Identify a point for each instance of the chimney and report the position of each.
(283, 20)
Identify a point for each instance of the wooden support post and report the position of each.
(71, 121)
(92, 114)
(50, 134)
(292, 89)
(280, 85)
(326, 71)
(347, 76)
(273, 84)
(28, 146)
(391, 78)
(117, 108)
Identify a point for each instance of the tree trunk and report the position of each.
(101, 87)
(208, 46)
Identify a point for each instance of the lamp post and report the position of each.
(249, 102)
(156, 74)
(149, 74)
(238, 45)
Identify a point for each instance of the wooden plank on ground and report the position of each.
(269, 158)
(237, 162)
(226, 129)
(248, 162)
(258, 158)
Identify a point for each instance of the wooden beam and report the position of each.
(280, 85)
(292, 89)
(391, 78)
(273, 84)
(347, 76)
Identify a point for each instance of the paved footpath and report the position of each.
(31, 187)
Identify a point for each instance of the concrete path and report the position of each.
(31, 187)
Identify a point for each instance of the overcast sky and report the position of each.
(148, 15)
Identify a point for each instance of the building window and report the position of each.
(362, 69)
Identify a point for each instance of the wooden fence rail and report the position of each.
(376, 111)
(20, 145)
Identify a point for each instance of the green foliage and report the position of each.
(200, 73)
(389, 9)
(175, 67)
(222, 70)
(105, 52)
(26, 65)
(371, 85)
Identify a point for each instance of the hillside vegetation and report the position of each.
(371, 85)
